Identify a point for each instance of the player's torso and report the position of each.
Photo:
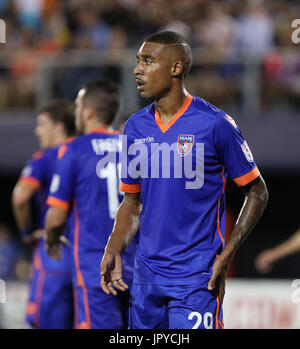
(97, 196)
(182, 181)
(47, 263)
(96, 199)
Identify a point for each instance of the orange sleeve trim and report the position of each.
(247, 178)
(130, 188)
(52, 201)
(33, 182)
(31, 308)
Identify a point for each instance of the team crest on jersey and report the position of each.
(185, 144)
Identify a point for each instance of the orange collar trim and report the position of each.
(104, 130)
(164, 127)
(68, 140)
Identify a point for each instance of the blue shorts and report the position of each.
(94, 309)
(174, 307)
(50, 304)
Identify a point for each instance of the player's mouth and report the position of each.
(140, 84)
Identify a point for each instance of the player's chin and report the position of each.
(144, 94)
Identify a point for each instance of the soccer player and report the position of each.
(177, 156)
(265, 259)
(86, 179)
(50, 304)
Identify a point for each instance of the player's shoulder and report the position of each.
(218, 116)
(38, 158)
(65, 147)
(85, 140)
(38, 155)
(140, 115)
(205, 108)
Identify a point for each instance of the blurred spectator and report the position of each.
(256, 29)
(10, 253)
(91, 31)
(29, 12)
(223, 33)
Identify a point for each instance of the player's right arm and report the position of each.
(125, 227)
(23, 192)
(265, 260)
(21, 204)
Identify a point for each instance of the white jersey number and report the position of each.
(111, 173)
(207, 319)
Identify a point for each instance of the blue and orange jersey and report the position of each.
(38, 173)
(87, 179)
(180, 170)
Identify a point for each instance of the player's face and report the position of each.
(79, 112)
(45, 131)
(153, 71)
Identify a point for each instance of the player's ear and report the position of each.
(177, 69)
(87, 113)
(60, 127)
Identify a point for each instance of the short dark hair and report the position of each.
(104, 96)
(61, 111)
(169, 37)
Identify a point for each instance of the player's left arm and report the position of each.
(239, 163)
(59, 201)
(55, 225)
(255, 202)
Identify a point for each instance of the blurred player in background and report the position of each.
(181, 261)
(50, 304)
(86, 179)
(265, 259)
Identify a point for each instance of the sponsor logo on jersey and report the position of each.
(247, 152)
(185, 144)
(143, 140)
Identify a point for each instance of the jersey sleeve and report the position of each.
(34, 170)
(62, 184)
(234, 151)
(130, 182)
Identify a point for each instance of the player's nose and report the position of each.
(137, 70)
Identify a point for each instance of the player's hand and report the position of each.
(55, 250)
(111, 274)
(264, 261)
(217, 281)
(34, 236)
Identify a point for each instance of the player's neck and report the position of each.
(94, 126)
(59, 139)
(167, 106)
